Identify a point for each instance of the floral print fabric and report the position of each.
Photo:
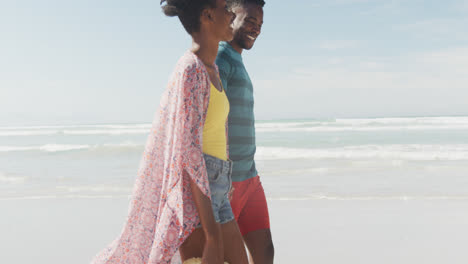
(162, 213)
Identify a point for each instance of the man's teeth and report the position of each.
(250, 37)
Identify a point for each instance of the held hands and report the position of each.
(196, 261)
(213, 252)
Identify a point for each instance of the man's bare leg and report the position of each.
(234, 249)
(260, 246)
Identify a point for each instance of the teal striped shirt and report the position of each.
(241, 120)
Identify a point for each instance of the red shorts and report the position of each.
(249, 205)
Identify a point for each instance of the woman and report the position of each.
(184, 176)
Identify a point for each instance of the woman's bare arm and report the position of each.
(205, 212)
(213, 250)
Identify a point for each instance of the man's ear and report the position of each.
(207, 15)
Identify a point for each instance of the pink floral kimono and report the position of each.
(162, 213)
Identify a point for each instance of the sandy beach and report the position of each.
(57, 231)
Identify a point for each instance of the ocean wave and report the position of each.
(269, 198)
(78, 191)
(331, 125)
(117, 126)
(96, 189)
(75, 130)
(44, 148)
(61, 196)
(106, 131)
(398, 152)
(64, 147)
(415, 152)
(460, 120)
(359, 128)
(368, 124)
(367, 198)
(11, 133)
(9, 179)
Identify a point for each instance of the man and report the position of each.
(248, 199)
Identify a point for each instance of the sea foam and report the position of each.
(70, 147)
(75, 130)
(405, 152)
(371, 124)
(9, 179)
(333, 125)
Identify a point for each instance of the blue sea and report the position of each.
(368, 158)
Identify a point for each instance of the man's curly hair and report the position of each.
(234, 3)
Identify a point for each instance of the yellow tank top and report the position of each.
(214, 130)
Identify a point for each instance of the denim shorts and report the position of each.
(219, 176)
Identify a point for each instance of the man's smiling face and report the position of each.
(247, 25)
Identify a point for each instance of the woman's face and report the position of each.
(223, 19)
